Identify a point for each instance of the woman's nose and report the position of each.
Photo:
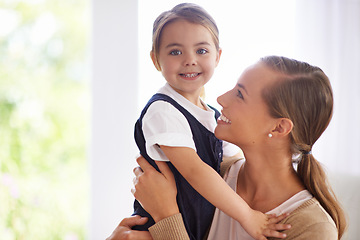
(222, 99)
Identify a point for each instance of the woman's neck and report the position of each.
(267, 180)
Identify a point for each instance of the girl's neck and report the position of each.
(194, 98)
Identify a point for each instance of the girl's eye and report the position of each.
(239, 94)
(202, 51)
(175, 52)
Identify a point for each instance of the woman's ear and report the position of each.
(154, 60)
(283, 127)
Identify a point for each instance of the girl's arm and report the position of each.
(206, 181)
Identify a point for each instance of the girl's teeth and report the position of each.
(223, 118)
(191, 74)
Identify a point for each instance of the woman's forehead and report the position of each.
(258, 75)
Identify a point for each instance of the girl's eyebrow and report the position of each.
(173, 45)
(202, 43)
(243, 87)
(170, 45)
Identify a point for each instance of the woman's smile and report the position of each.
(223, 120)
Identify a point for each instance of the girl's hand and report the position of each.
(156, 191)
(274, 226)
(123, 230)
(260, 225)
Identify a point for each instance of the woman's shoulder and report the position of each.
(310, 221)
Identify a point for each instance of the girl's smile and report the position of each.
(187, 57)
(190, 76)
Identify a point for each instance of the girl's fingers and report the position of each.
(278, 226)
(273, 233)
(272, 218)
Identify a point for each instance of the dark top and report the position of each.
(197, 212)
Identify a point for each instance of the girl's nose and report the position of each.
(190, 60)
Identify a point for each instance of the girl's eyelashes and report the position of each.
(175, 52)
(202, 51)
(239, 94)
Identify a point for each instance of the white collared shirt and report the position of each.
(163, 124)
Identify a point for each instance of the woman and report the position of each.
(275, 113)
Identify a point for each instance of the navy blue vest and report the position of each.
(197, 212)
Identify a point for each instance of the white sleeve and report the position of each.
(163, 124)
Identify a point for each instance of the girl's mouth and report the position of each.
(189, 75)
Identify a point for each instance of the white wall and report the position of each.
(114, 94)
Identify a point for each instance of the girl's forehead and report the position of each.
(177, 27)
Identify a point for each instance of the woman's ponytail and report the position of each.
(304, 95)
(315, 180)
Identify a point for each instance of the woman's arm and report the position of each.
(156, 191)
(211, 186)
(157, 194)
(123, 230)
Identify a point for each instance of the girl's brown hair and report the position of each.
(304, 95)
(185, 11)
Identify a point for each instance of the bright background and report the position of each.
(74, 75)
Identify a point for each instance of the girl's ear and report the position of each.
(155, 62)
(283, 127)
(218, 56)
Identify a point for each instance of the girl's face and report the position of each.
(245, 119)
(187, 57)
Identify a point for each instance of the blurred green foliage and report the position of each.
(44, 119)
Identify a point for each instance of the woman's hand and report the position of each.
(123, 230)
(156, 191)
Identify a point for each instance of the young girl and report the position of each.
(177, 126)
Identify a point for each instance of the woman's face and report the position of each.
(245, 119)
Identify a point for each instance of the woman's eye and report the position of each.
(202, 51)
(175, 52)
(239, 94)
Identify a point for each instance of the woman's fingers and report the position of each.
(133, 221)
(123, 230)
(144, 165)
(138, 171)
(165, 170)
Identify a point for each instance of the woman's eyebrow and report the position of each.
(243, 87)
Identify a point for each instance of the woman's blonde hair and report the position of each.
(184, 11)
(304, 95)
